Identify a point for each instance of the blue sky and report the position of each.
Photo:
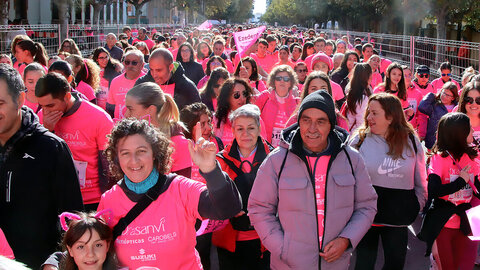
(259, 6)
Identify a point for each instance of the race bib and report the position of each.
(81, 167)
(464, 195)
(276, 133)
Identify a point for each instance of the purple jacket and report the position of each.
(283, 211)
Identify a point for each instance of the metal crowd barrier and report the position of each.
(415, 50)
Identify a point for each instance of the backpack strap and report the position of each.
(150, 196)
(350, 162)
(412, 138)
(283, 165)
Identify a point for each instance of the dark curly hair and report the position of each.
(191, 114)
(223, 108)
(161, 145)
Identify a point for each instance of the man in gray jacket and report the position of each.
(312, 200)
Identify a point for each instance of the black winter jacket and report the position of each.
(38, 181)
(185, 92)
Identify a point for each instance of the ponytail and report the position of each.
(168, 116)
(40, 55)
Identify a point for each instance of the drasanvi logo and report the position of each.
(388, 167)
(147, 229)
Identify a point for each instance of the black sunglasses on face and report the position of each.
(284, 78)
(423, 75)
(236, 95)
(128, 62)
(469, 100)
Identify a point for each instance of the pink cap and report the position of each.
(322, 57)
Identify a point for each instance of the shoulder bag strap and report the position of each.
(149, 197)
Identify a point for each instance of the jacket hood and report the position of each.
(30, 125)
(177, 73)
(291, 140)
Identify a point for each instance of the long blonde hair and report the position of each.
(168, 115)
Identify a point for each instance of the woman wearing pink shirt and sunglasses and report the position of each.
(445, 71)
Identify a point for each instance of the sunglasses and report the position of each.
(301, 70)
(284, 78)
(128, 62)
(236, 95)
(446, 74)
(423, 75)
(174, 38)
(469, 100)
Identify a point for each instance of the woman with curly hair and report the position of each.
(233, 94)
(87, 76)
(140, 155)
(212, 63)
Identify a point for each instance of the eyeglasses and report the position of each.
(236, 95)
(128, 62)
(215, 64)
(448, 95)
(185, 51)
(469, 100)
(423, 75)
(284, 78)
(302, 70)
(446, 74)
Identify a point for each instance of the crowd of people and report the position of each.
(157, 149)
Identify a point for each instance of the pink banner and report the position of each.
(206, 25)
(245, 39)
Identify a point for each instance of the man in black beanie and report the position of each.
(312, 200)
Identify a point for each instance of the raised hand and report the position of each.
(202, 151)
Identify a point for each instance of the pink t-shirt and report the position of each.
(195, 170)
(281, 119)
(266, 62)
(438, 84)
(181, 156)
(168, 89)
(414, 96)
(337, 91)
(261, 85)
(319, 169)
(117, 92)
(448, 172)
(85, 138)
(149, 43)
(428, 89)
(163, 235)
(102, 93)
(86, 89)
(376, 79)
(5, 249)
(31, 105)
(203, 82)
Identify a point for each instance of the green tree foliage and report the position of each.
(230, 10)
(138, 4)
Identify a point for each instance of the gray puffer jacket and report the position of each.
(283, 211)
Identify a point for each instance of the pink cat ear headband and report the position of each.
(104, 215)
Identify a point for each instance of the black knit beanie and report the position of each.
(320, 100)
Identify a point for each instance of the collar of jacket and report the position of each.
(231, 152)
